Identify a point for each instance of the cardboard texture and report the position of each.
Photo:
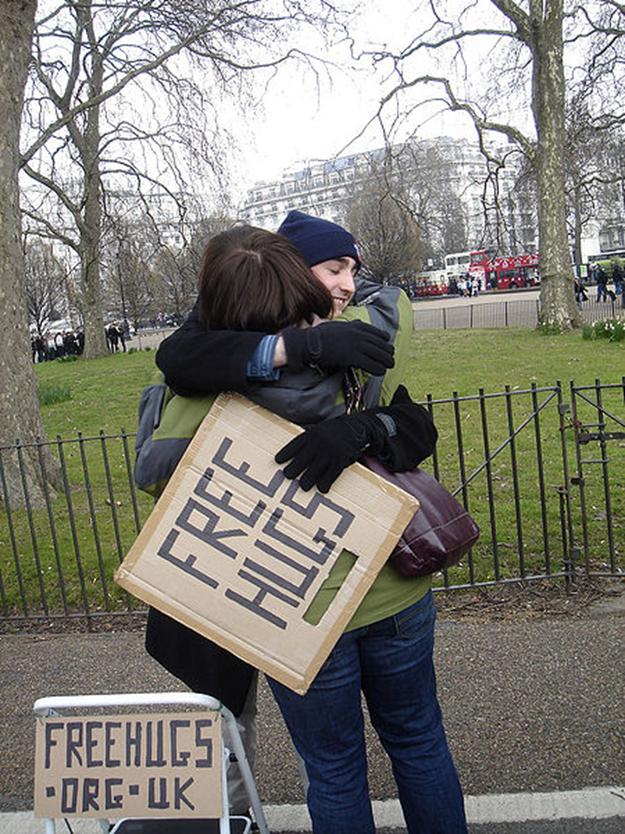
(139, 765)
(237, 552)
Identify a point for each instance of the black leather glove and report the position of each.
(338, 344)
(411, 433)
(319, 455)
(401, 435)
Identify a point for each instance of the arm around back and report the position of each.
(196, 361)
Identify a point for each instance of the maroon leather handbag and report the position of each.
(440, 532)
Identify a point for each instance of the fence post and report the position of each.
(444, 318)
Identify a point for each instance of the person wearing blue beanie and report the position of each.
(331, 253)
(318, 240)
(387, 649)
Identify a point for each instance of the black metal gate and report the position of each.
(598, 428)
(542, 470)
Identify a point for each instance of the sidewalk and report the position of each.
(596, 810)
(529, 707)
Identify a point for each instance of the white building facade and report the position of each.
(323, 188)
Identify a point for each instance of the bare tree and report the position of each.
(380, 214)
(523, 46)
(113, 99)
(428, 173)
(177, 269)
(129, 281)
(44, 282)
(19, 407)
(595, 160)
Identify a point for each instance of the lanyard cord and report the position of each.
(353, 392)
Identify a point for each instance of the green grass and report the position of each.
(466, 360)
(103, 395)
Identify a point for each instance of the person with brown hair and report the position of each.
(386, 651)
(251, 279)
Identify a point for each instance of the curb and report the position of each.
(588, 803)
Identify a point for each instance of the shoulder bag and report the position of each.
(440, 532)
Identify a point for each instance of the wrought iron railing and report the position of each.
(541, 469)
(504, 313)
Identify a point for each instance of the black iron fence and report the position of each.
(541, 469)
(505, 313)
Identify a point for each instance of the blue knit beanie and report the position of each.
(318, 240)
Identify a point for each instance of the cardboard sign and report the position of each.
(109, 766)
(237, 552)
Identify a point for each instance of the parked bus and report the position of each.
(503, 273)
(432, 283)
(457, 265)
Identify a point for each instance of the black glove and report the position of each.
(411, 433)
(338, 344)
(401, 435)
(324, 450)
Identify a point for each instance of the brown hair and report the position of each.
(252, 279)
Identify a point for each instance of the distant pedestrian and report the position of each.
(40, 347)
(580, 292)
(58, 343)
(618, 276)
(602, 283)
(113, 337)
(50, 347)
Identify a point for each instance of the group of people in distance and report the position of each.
(599, 275)
(72, 342)
(279, 316)
(57, 345)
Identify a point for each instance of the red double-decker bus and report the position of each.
(505, 272)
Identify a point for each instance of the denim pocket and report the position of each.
(418, 617)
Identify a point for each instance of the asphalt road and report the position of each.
(529, 706)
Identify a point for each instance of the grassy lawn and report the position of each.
(105, 392)
(516, 498)
(467, 360)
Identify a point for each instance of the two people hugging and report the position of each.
(285, 320)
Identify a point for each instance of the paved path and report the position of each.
(530, 706)
(483, 298)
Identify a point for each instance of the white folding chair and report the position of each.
(59, 706)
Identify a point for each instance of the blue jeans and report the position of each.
(391, 661)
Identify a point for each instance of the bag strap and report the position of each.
(382, 305)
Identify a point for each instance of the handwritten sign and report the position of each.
(136, 765)
(238, 552)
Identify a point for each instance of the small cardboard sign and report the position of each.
(139, 765)
(237, 552)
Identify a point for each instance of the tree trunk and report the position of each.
(91, 231)
(558, 308)
(91, 286)
(19, 405)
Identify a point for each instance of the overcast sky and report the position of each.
(306, 117)
(303, 117)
